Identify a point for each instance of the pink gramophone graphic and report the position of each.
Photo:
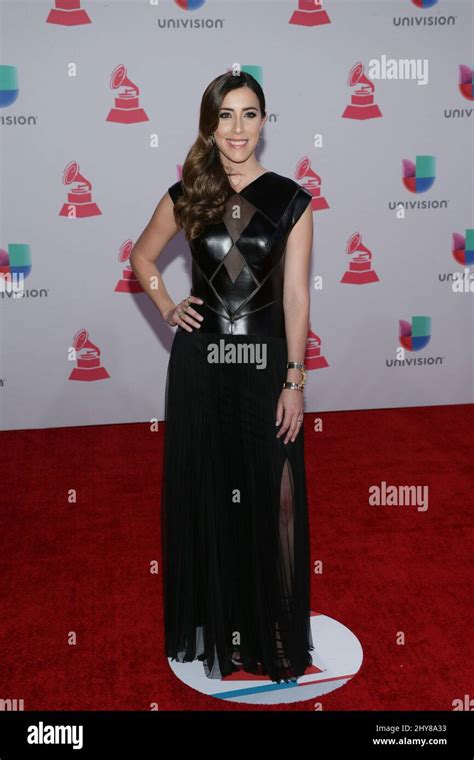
(362, 100)
(310, 13)
(68, 13)
(80, 203)
(88, 359)
(313, 358)
(127, 107)
(360, 270)
(312, 184)
(128, 283)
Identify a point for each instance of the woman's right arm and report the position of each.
(161, 228)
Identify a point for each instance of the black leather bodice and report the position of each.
(238, 264)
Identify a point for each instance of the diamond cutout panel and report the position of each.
(234, 262)
(237, 215)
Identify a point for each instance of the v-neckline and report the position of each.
(238, 192)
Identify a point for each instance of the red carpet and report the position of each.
(81, 568)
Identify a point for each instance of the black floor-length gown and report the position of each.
(235, 532)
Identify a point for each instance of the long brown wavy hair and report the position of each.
(206, 185)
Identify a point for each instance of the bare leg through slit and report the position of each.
(285, 566)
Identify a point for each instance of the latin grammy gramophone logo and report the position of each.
(310, 13)
(128, 282)
(463, 247)
(87, 357)
(362, 104)
(311, 183)
(360, 270)
(79, 199)
(466, 85)
(68, 13)
(416, 334)
(127, 107)
(419, 176)
(313, 358)
(15, 266)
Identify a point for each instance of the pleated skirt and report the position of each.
(235, 528)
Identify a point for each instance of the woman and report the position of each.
(236, 561)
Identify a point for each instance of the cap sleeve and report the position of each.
(176, 190)
(301, 200)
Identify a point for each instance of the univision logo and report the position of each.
(466, 88)
(9, 91)
(418, 176)
(416, 334)
(462, 251)
(463, 247)
(466, 84)
(190, 23)
(424, 20)
(190, 5)
(15, 267)
(8, 85)
(413, 336)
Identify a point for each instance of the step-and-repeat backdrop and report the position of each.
(370, 106)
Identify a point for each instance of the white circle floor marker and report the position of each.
(337, 657)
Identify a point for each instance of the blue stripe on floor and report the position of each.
(255, 690)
